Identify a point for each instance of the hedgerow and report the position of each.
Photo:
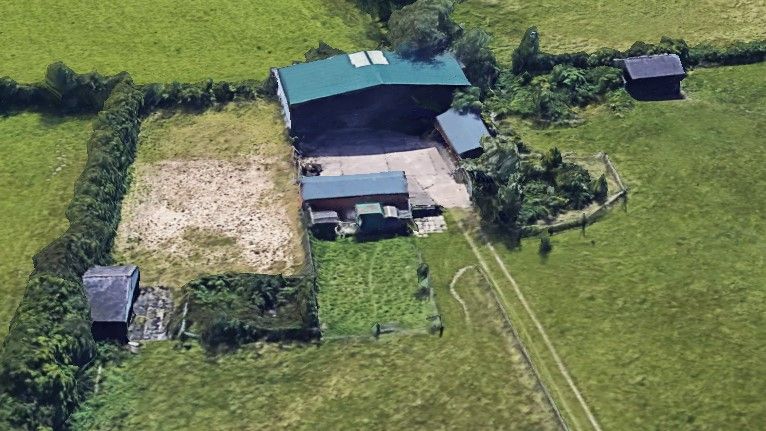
(49, 340)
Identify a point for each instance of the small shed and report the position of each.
(654, 77)
(366, 89)
(462, 131)
(370, 217)
(111, 291)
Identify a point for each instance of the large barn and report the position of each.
(654, 77)
(111, 291)
(368, 89)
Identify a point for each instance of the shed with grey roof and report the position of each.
(463, 132)
(654, 77)
(111, 291)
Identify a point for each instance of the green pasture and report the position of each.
(471, 378)
(658, 310)
(40, 159)
(363, 283)
(577, 25)
(173, 40)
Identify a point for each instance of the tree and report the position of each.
(600, 189)
(525, 56)
(468, 100)
(423, 28)
(552, 159)
(472, 49)
(321, 52)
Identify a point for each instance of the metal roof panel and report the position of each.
(330, 187)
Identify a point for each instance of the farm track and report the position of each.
(455, 295)
(504, 305)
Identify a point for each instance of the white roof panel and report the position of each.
(377, 57)
(359, 59)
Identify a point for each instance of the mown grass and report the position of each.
(40, 159)
(231, 134)
(658, 309)
(364, 283)
(588, 25)
(471, 378)
(166, 40)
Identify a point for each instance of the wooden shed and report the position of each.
(111, 291)
(654, 77)
(367, 89)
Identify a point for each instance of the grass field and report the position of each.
(588, 25)
(658, 310)
(471, 378)
(211, 193)
(363, 283)
(166, 40)
(40, 159)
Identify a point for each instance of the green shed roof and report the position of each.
(369, 208)
(338, 75)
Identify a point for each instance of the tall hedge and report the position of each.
(49, 340)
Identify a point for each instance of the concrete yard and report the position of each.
(361, 151)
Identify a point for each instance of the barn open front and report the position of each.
(211, 193)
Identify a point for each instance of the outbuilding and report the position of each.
(367, 89)
(654, 77)
(462, 132)
(111, 291)
(374, 202)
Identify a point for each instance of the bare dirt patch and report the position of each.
(212, 193)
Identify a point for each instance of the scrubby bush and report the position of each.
(321, 52)
(73, 92)
(382, 8)
(15, 96)
(600, 189)
(545, 244)
(423, 28)
(468, 100)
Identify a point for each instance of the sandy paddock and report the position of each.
(216, 215)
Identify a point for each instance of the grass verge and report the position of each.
(40, 159)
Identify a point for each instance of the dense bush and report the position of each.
(322, 51)
(735, 53)
(423, 28)
(513, 191)
(15, 96)
(382, 9)
(74, 92)
(232, 309)
(49, 341)
(479, 62)
(202, 95)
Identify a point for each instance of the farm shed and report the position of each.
(654, 77)
(462, 131)
(368, 89)
(380, 200)
(111, 291)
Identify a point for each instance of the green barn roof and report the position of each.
(351, 72)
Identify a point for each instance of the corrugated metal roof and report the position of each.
(369, 208)
(463, 130)
(343, 186)
(337, 75)
(654, 66)
(110, 292)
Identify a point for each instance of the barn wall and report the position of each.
(655, 88)
(117, 331)
(405, 108)
(345, 206)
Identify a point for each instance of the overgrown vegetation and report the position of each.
(232, 309)
(364, 283)
(513, 189)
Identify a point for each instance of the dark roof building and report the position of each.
(463, 132)
(654, 77)
(111, 291)
(364, 90)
